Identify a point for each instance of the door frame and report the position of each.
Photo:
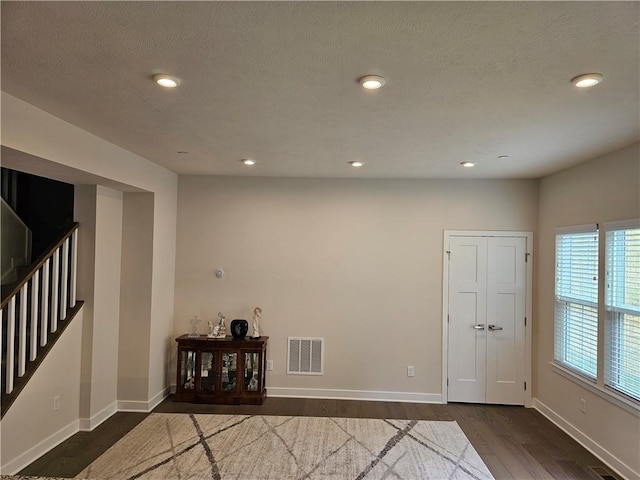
(528, 302)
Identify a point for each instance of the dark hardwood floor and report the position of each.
(514, 442)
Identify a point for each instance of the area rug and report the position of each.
(239, 447)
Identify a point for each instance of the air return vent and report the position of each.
(305, 356)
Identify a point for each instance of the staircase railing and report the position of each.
(35, 312)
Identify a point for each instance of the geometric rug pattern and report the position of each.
(252, 447)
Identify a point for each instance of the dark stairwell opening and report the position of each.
(45, 207)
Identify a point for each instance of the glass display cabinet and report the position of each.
(221, 370)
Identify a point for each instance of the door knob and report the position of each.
(493, 327)
(479, 326)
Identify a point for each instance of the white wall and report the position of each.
(602, 190)
(358, 262)
(31, 427)
(162, 289)
(99, 211)
(135, 300)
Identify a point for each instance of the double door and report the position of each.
(487, 319)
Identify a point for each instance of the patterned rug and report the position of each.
(238, 447)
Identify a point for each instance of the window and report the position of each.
(579, 317)
(576, 300)
(622, 305)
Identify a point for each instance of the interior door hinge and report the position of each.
(447, 381)
(525, 321)
(525, 385)
(526, 257)
(447, 318)
(449, 254)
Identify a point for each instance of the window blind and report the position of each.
(622, 332)
(576, 301)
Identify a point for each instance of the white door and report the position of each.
(486, 319)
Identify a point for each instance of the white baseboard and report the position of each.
(159, 397)
(88, 424)
(35, 452)
(141, 405)
(337, 394)
(621, 468)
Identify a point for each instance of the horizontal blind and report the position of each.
(576, 298)
(622, 333)
(577, 266)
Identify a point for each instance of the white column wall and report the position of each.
(100, 209)
(135, 300)
(162, 342)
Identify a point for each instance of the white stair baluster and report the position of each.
(55, 284)
(11, 353)
(65, 279)
(22, 332)
(1, 323)
(35, 290)
(44, 330)
(74, 269)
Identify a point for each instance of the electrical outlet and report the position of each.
(583, 405)
(269, 365)
(410, 371)
(56, 403)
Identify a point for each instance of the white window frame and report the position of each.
(612, 312)
(598, 386)
(565, 335)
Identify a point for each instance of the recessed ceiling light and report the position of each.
(587, 80)
(372, 82)
(356, 164)
(167, 81)
(467, 164)
(249, 162)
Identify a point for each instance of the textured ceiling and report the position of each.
(276, 81)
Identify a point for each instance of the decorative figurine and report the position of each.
(257, 313)
(221, 331)
(252, 386)
(194, 321)
(212, 330)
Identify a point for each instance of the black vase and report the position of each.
(239, 328)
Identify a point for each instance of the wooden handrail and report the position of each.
(41, 260)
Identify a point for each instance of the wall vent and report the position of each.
(305, 356)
